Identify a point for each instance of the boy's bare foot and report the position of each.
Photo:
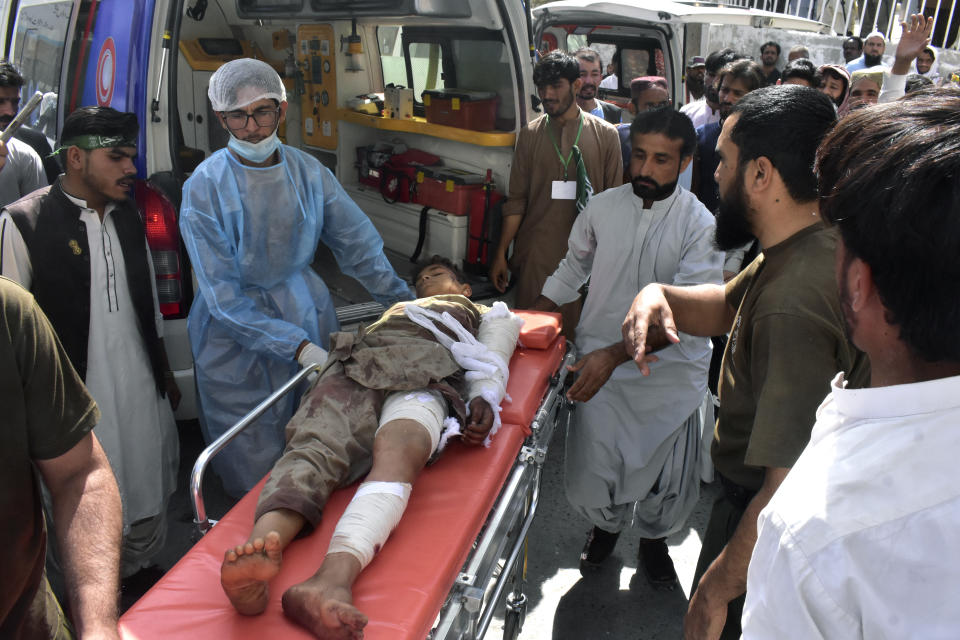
(247, 569)
(324, 609)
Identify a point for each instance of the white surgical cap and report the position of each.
(241, 82)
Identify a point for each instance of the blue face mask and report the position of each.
(255, 151)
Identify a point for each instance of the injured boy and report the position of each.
(387, 400)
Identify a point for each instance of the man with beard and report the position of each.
(696, 69)
(860, 539)
(736, 80)
(707, 109)
(80, 247)
(561, 158)
(633, 448)
(769, 55)
(872, 56)
(10, 84)
(786, 330)
(591, 75)
(21, 170)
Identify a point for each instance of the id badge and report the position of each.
(564, 190)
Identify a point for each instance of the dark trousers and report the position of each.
(724, 518)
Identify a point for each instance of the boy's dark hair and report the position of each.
(785, 124)
(890, 180)
(801, 68)
(99, 121)
(770, 43)
(554, 66)
(444, 262)
(673, 124)
(747, 71)
(9, 76)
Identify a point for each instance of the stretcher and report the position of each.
(459, 549)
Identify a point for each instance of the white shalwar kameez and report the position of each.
(137, 429)
(638, 438)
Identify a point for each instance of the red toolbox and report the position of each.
(462, 108)
(447, 189)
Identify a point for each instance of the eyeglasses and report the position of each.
(237, 120)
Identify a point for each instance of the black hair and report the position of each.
(785, 124)
(719, 59)
(856, 39)
(588, 54)
(446, 263)
(915, 82)
(770, 43)
(890, 180)
(99, 121)
(9, 76)
(801, 68)
(555, 66)
(671, 123)
(747, 71)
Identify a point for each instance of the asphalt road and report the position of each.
(617, 602)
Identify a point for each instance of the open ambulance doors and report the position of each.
(329, 54)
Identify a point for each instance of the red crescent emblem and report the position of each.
(106, 72)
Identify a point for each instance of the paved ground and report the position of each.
(617, 603)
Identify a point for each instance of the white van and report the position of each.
(653, 37)
(155, 58)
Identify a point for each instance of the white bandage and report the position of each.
(366, 524)
(425, 407)
(498, 332)
(485, 361)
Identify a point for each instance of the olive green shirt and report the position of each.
(46, 411)
(786, 344)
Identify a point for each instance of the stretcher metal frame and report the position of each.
(499, 554)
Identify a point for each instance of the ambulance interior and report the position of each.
(343, 64)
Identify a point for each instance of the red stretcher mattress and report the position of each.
(405, 586)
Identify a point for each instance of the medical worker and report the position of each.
(252, 217)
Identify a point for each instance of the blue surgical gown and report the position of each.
(251, 234)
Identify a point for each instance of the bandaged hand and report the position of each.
(479, 423)
(312, 354)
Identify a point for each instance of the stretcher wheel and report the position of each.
(512, 621)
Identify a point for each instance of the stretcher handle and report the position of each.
(21, 117)
(200, 466)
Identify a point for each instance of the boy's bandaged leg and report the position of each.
(425, 407)
(366, 524)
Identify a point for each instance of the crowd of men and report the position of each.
(772, 302)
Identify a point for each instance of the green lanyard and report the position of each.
(564, 161)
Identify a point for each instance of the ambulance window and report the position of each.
(635, 63)
(493, 76)
(38, 42)
(416, 61)
(426, 66)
